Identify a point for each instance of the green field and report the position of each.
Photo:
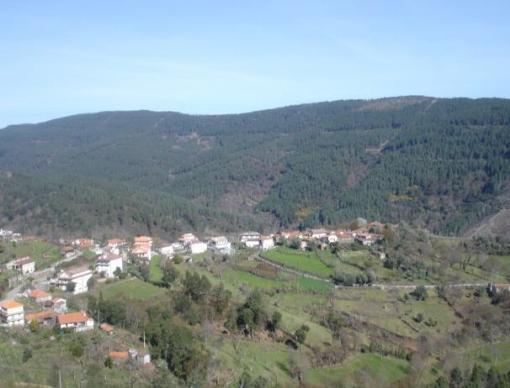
(302, 261)
(134, 289)
(155, 271)
(42, 252)
(284, 281)
(360, 370)
(268, 359)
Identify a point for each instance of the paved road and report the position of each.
(381, 286)
(39, 275)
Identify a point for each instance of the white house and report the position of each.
(167, 251)
(250, 239)
(108, 263)
(266, 242)
(332, 238)
(178, 247)
(318, 234)
(188, 238)
(142, 247)
(59, 305)
(39, 296)
(115, 244)
(248, 236)
(303, 245)
(252, 243)
(4, 233)
(197, 247)
(11, 313)
(77, 321)
(345, 236)
(77, 275)
(367, 239)
(25, 265)
(141, 358)
(221, 245)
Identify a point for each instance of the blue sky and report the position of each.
(65, 57)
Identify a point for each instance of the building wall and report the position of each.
(12, 317)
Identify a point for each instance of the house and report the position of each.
(108, 263)
(178, 247)
(11, 313)
(115, 244)
(78, 321)
(317, 234)
(248, 236)
(187, 238)
(142, 252)
(4, 233)
(250, 239)
(79, 276)
(303, 245)
(345, 236)
(197, 247)
(367, 239)
(141, 358)
(83, 243)
(332, 238)
(24, 265)
(105, 327)
(220, 245)
(252, 243)
(289, 235)
(10, 235)
(118, 357)
(39, 296)
(142, 248)
(266, 243)
(375, 226)
(44, 318)
(59, 305)
(167, 251)
(494, 288)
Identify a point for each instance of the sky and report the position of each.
(65, 57)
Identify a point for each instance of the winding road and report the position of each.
(38, 275)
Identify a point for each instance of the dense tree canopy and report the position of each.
(440, 163)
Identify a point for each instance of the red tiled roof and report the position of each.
(29, 317)
(72, 318)
(118, 355)
(10, 304)
(38, 294)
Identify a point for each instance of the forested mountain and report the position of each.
(439, 163)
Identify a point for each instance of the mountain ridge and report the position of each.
(438, 162)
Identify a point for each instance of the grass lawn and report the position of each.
(267, 359)
(42, 252)
(302, 261)
(360, 370)
(384, 309)
(155, 271)
(238, 277)
(134, 289)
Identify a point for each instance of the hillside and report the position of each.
(439, 163)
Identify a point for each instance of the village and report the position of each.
(42, 292)
(110, 262)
